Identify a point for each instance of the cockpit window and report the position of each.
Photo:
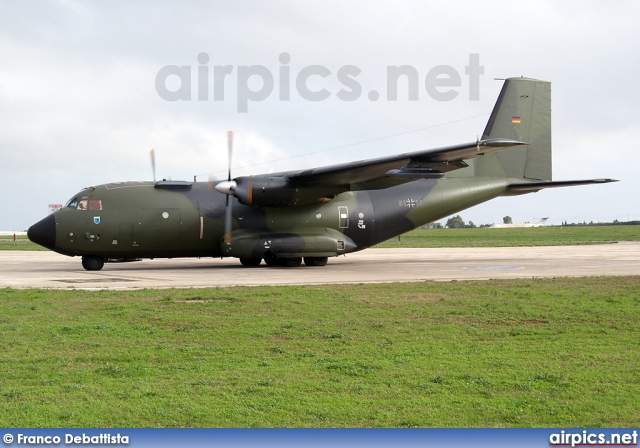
(95, 204)
(89, 204)
(73, 203)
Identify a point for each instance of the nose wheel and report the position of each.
(91, 263)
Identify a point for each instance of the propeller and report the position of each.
(152, 154)
(227, 188)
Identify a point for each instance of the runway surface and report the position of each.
(51, 270)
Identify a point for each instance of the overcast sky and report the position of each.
(79, 104)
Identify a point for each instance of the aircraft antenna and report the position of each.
(152, 155)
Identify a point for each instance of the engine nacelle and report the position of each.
(265, 191)
(278, 191)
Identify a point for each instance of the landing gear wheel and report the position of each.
(250, 262)
(291, 262)
(270, 260)
(92, 263)
(315, 261)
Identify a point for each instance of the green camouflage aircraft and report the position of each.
(313, 214)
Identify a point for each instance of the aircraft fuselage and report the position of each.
(145, 220)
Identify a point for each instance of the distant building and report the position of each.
(519, 225)
(54, 207)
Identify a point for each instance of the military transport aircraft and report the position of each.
(314, 214)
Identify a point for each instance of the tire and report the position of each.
(270, 260)
(251, 262)
(315, 261)
(92, 263)
(291, 262)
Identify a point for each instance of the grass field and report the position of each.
(559, 352)
(536, 236)
(21, 243)
(479, 237)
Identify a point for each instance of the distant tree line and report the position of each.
(614, 223)
(456, 222)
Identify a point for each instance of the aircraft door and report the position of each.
(343, 217)
(361, 220)
(125, 236)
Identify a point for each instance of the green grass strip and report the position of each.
(515, 237)
(501, 353)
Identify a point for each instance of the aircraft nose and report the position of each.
(44, 232)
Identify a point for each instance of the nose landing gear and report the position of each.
(91, 263)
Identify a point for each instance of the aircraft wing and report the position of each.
(386, 172)
(322, 184)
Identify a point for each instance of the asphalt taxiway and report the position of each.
(50, 270)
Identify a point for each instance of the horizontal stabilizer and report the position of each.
(525, 187)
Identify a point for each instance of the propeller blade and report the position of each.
(152, 154)
(226, 239)
(227, 188)
(230, 148)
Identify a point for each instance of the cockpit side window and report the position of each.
(73, 203)
(85, 204)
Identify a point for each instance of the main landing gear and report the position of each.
(270, 260)
(315, 261)
(92, 263)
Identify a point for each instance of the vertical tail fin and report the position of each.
(522, 112)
